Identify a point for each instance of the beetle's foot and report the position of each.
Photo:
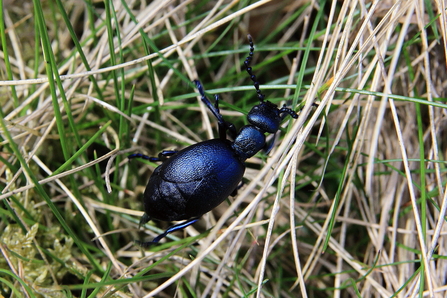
(174, 228)
(144, 220)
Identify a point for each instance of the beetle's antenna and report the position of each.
(224, 126)
(249, 69)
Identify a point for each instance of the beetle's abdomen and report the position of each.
(193, 181)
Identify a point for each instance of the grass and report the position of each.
(350, 202)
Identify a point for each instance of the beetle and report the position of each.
(195, 180)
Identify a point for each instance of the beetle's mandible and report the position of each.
(195, 180)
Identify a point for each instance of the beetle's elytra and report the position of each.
(195, 180)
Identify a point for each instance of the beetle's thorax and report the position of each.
(249, 141)
(264, 117)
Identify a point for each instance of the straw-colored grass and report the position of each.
(350, 202)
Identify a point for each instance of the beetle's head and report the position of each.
(267, 117)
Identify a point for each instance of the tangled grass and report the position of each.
(350, 201)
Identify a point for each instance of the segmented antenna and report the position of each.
(249, 69)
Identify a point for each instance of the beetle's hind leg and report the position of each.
(174, 228)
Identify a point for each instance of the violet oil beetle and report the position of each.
(195, 180)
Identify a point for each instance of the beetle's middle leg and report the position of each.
(239, 186)
(162, 156)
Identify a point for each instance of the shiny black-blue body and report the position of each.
(195, 180)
